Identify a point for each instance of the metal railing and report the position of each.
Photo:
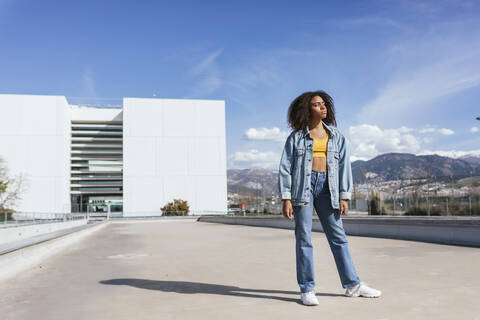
(394, 205)
(159, 213)
(468, 205)
(24, 218)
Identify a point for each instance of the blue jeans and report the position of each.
(333, 228)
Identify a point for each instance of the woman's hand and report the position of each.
(287, 209)
(343, 207)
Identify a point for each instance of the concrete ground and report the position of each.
(183, 269)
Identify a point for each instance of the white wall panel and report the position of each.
(39, 195)
(39, 116)
(140, 153)
(11, 116)
(63, 200)
(78, 112)
(179, 187)
(205, 156)
(137, 202)
(34, 140)
(60, 185)
(189, 147)
(178, 118)
(43, 157)
(14, 150)
(172, 154)
(144, 117)
(208, 198)
(209, 118)
(223, 155)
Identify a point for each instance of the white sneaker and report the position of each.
(363, 290)
(309, 298)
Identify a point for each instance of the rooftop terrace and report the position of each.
(184, 269)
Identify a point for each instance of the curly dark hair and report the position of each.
(299, 110)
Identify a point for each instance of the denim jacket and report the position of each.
(296, 166)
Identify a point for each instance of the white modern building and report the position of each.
(130, 161)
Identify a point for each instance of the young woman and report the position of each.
(315, 172)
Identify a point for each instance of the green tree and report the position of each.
(10, 189)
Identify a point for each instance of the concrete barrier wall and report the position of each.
(446, 230)
(23, 256)
(15, 233)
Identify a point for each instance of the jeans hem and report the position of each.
(346, 286)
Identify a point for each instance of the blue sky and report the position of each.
(405, 75)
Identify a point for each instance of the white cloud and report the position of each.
(404, 129)
(206, 63)
(367, 21)
(428, 84)
(427, 139)
(260, 78)
(207, 76)
(474, 129)
(88, 83)
(446, 131)
(427, 130)
(429, 67)
(254, 158)
(89, 92)
(259, 69)
(429, 9)
(452, 153)
(265, 134)
(368, 141)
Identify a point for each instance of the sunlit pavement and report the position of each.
(183, 269)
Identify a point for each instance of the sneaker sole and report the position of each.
(309, 304)
(360, 295)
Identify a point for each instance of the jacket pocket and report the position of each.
(299, 152)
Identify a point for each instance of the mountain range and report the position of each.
(396, 166)
(384, 167)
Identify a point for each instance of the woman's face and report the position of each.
(318, 108)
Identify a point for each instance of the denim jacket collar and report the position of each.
(330, 129)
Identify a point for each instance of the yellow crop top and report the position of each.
(320, 147)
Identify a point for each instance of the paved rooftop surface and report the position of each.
(183, 269)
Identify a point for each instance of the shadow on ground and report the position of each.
(206, 288)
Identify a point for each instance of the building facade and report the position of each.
(127, 161)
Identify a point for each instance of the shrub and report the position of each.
(176, 208)
(376, 204)
(7, 212)
(420, 211)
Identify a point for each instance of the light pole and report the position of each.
(362, 169)
(478, 118)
